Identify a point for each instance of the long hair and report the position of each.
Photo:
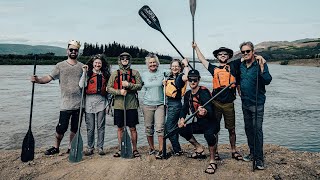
(105, 68)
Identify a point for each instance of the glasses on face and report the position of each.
(245, 51)
(193, 79)
(223, 54)
(125, 58)
(75, 50)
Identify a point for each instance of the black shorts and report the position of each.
(131, 115)
(64, 118)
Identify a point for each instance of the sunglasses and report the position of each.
(223, 54)
(124, 58)
(75, 50)
(193, 79)
(246, 51)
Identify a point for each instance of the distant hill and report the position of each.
(22, 49)
(286, 50)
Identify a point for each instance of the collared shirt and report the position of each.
(248, 81)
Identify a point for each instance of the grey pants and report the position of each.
(91, 118)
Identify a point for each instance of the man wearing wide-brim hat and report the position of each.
(222, 76)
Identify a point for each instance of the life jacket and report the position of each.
(118, 80)
(222, 77)
(97, 84)
(171, 88)
(194, 100)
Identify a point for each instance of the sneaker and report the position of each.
(152, 152)
(259, 165)
(88, 152)
(247, 158)
(101, 152)
(52, 151)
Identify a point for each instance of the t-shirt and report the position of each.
(152, 84)
(69, 77)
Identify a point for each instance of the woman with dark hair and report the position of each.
(96, 74)
(175, 88)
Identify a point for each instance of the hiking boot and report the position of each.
(248, 158)
(101, 152)
(259, 165)
(52, 151)
(88, 152)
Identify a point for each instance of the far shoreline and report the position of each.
(299, 62)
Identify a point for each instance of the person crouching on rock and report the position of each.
(204, 122)
(96, 82)
(127, 87)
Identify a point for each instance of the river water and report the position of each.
(292, 109)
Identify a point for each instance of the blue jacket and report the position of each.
(248, 81)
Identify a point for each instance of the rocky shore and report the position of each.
(281, 163)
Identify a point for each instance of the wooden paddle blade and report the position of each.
(150, 18)
(126, 148)
(27, 153)
(193, 5)
(76, 148)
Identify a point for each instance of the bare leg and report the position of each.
(72, 134)
(150, 141)
(197, 146)
(58, 140)
(160, 139)
(120, 132)
(232, 139)
(134, 138)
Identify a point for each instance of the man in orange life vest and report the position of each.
(125, 87)
(204, 122)
(223, 75)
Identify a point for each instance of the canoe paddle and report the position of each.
(126, 148)
(193, 4)
(27, 153)
(151, 19)
(176, 130)
(164, 145)
(77, 143)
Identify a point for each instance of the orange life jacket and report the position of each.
(97, 84)
(171, 89)
(118, 81)
(222, 77)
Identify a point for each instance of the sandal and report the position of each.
(212, 166)
(217, 157)
(197, 155)
(117, 154)
(159, 155)
(136, 154)
(237, 156)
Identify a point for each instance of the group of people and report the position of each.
(166, 102)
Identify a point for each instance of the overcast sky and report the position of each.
(217, 23)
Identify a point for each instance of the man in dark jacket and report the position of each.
(203, 122)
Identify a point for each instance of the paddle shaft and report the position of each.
(164, 146)
(255, 119)
(32, 92)
(80, 113)
(193, 51)
(191, 116)
(193, 4)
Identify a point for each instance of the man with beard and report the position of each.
(222, 76)
(68, 72)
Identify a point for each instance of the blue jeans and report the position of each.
(249, 118)
(174, 108)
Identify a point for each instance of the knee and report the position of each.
(133, 129)
(232, 131)
(160, 131)
(61, 129)
(149, 131)
(211, 139)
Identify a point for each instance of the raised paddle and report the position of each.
(27, 153)
(255, 120)
(176, 130)
(126, 148)
(77, 143)
(193, 4)
(151, 19)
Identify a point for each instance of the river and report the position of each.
(292, 109)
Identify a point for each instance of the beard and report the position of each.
(73, 56)
(223, 61)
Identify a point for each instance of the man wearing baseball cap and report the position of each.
(222, 76)
(203, 122)
(68, 72)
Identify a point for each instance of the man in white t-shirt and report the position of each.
(68, 72)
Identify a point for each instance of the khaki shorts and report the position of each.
(154, 119)
(227, 110)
